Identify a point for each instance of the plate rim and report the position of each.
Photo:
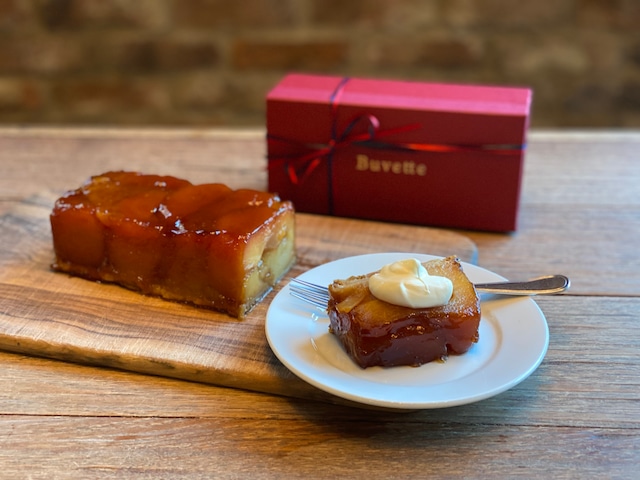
(283, 294)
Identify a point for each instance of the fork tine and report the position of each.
(309, 300)
(310, 286)
(309, 292)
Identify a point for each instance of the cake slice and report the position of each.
(374, 332)
(206, 244)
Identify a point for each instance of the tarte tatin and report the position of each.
(205, 244)
(376, 333)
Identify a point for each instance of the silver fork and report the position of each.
(548, 285)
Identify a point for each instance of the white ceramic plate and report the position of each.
(514, 337)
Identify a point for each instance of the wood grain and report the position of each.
(580, 214)
(568, 389)
(306, 447)
(566, 420)
(576, 416)
(54, 315)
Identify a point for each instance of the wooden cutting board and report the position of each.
(54, 315)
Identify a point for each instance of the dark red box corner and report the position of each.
(410, 152)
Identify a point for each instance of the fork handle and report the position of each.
(538, 286)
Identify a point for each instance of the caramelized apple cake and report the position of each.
(204, 244)
(375, 332)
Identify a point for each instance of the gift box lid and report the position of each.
(443, 97)
(446, 113)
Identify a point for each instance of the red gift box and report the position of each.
(410, 152)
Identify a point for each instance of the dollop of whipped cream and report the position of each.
(408, 284)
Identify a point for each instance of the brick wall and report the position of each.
(210, 62)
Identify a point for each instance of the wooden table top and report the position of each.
(576, 416)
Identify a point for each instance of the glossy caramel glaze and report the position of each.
(374, 332)
(165, 236)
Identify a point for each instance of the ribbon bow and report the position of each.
(299, 167)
